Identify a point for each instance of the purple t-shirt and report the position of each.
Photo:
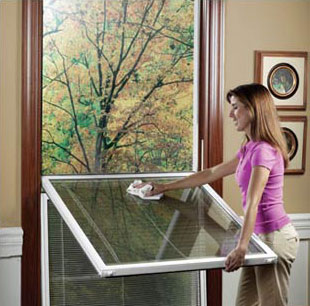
(271, 215)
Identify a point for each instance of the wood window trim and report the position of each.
(211, 110)
(210, 132)
(31, 151)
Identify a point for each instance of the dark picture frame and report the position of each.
(294, 129)
(285, 75)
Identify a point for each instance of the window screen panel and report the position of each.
(126, 229)
(123, 235)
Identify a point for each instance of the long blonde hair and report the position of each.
(265, 124)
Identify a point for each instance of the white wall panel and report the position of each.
(11, 240)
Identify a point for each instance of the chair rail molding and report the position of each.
(11, 242)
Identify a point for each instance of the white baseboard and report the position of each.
(11, 242)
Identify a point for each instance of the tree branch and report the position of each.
(127, 76)
(60, 107)
(67, 163)
(91, 78)
(166, 35)
(126, 126)
(73, 108)
(97, 47)
(64, 149)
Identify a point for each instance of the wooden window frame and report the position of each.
(210, 132)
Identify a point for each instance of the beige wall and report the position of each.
(264, 25)
(250, 25)
(10, 89)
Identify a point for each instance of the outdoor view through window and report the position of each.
(118, 86)
(118, 92)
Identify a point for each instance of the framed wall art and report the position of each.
(294, 129)
(285, 75)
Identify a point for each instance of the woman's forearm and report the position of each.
(206, 176)
(258, 180)
(193, 180)
(197, 179)
(248, 226)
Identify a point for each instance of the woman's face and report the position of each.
(240, 115)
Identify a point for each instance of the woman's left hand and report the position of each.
(235, 259)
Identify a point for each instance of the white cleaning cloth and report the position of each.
(140, 192)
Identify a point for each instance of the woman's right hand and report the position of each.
(156, 188)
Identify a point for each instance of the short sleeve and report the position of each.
(264, 155)
(239, 154)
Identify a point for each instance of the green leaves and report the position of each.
(117, 91)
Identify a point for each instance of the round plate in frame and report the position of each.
(291, 141)
(283, 80)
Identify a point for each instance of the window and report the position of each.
(119, 86)
(119, 95)
(210, 59)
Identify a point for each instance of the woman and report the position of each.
(259, 170)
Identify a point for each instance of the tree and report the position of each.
(117, 86)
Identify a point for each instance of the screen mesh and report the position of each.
(184, 224)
